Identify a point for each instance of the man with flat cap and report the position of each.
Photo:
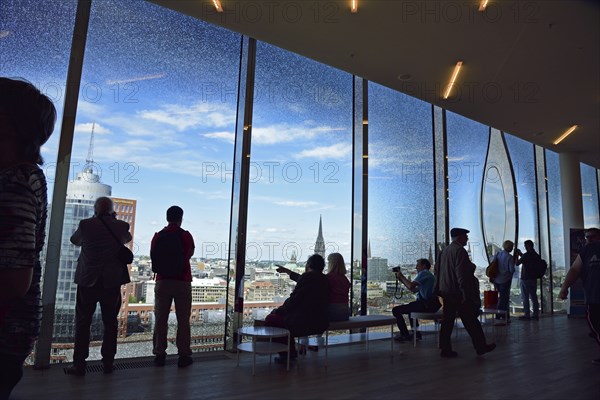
(457, 285)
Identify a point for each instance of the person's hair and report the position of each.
(592, 232)
(424, 262)
(316, 263)
(30, 114)
(174, 214)
(507, 244)
(528, 243)
(336, 264)
(103, 206)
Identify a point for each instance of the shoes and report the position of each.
(448, 354)
(184, 361)
(283, 360)
(159, 360)
(486, 349)
(75, 370)
(596, 361)
(108, 366)
(403, 338)
(525, 318)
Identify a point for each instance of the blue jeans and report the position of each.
(503, 297)
(528, 290)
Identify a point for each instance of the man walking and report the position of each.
(171, 250)
(99, 276)
(427, 300)
(457, 285)
(529, 260)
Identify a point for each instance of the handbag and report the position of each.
(492, 270)
(124, 254)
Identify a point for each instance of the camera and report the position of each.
(396, 269)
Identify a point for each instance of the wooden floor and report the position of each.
(548, 359)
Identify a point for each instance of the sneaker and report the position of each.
(596, 361)
(448, 354)
(486, 349)
(75, 370)
(525, 318)
(184, 361)
(159, 360)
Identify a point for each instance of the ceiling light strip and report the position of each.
(354, 6)
(218, 6)
(453, 79)
(483, 5)
(564, 135)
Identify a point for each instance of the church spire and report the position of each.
(320, 243)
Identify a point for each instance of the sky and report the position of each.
(160, 89)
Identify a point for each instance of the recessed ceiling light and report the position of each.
(482, 5)
(405, 77)
(353, 6)
(218, 6)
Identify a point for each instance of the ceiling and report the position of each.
(530, 68)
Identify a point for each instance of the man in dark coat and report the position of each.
(457, 285)
(99, 276)
(304, 313)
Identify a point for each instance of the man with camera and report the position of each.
(426, 301)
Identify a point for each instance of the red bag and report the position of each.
(490, 299)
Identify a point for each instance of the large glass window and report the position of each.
(155, 128)
(467, 147)
(557, 239)
(589, 186)
(401, 209)
(300, 176)
(35, 43)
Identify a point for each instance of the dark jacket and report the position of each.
(98, 258)
(455, 276)
(305, 311)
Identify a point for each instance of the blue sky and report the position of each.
(161, 89)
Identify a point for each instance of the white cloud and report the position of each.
(338, 151)
(197, 115)
(4, 34)
(135, 79)
(86, 128)
(283, 133)
(228, 137)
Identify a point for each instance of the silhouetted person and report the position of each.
(173, 247)
(529, 260)
(503, 280)
(99, 276)
(457, 285)
(587, 266)
(304, 313)
(27, 120)
(427, 300)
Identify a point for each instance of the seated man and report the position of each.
(426, 301)
(304, 313)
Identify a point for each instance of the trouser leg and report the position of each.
(87, 297)
(535, 305)
(468, 315)
(449, 314)
(593, 318)
(525, 297)
(11, 372)
(399, 312)
(110, 304)
(183, 310)
(162, 307)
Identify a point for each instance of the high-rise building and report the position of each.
(81, 195)
(320, 243)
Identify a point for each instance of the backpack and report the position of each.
(168, 258)
(540, 268)
(492, 270)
